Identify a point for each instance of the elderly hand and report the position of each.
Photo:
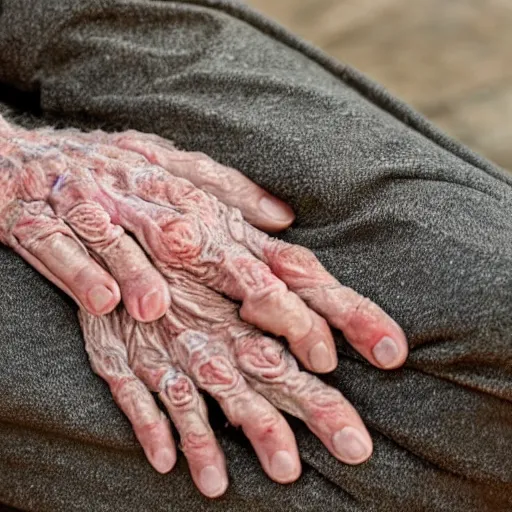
(32, 167)
(67, 199)
(202, 344)
(284, 290)
(206, 251)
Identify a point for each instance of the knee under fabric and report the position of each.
(391, 207)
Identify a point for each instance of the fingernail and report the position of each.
(351, 445)
(152, 306)
(99, 296)
(320, 358)
(163, 460)
(211, 481)
(274, 209)
(282, 465)
(386, 352)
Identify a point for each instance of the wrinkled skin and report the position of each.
(30, 166)
(82, 193)
(202, 344)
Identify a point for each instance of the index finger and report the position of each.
(259, 208)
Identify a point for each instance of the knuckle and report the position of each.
(273, 308)
(123, 385)
(209, 365)
(72, 187)
(110, 363)
(362, 307)
(92, 223)
(146, 372)
(208, 175)
(181, 232)
(148, 426)
(330, 410)
(183, 241)
(215, 179)
(218, 376)
(324, 404)
(293, 261)
(195, 445)
(268, 425)
(34, 224)
(261, 358)
(179, 391)
(257, 277)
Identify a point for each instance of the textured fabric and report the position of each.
(392, 207)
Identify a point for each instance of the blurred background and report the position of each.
(450, 59)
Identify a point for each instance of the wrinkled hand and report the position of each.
(32, 163)
(82, 191)
(284, 290)
(205, 249)
(201, 343)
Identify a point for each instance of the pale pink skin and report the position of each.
(31, 163)
(66, 197)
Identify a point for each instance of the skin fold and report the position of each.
(201, 343)
(127, 215)
(30, 166)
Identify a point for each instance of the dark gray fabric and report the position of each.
(391, 206)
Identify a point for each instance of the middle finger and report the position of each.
(274, 373)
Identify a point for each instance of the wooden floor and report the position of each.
(451, 59)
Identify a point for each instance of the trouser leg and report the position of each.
(421, 230)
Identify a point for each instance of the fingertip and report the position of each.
(390, 353)
(212, 481)
(317, 346)
(285, 468)
(163, 460)
(158, 445)
(321, 359)
(102, 298)
(274, 214)
(146, 300)
(154, 304)
(352, 445)
(373, 333)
